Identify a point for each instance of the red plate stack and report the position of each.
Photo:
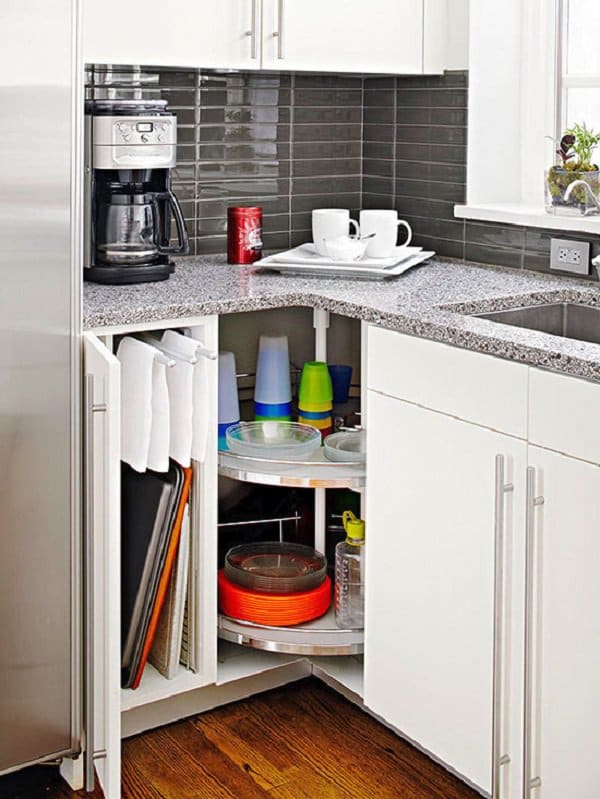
(275, 584)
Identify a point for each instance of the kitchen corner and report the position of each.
(435, 301)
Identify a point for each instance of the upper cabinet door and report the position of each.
(184, 33)
(393, 36)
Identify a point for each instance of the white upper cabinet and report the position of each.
(182, 33)
(394, 36)
(387, 36)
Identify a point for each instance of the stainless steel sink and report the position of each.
(581, 322)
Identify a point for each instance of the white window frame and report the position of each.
(515, 62)
(565, 81)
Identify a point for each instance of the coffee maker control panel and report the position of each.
(134, 142)
(135, 130)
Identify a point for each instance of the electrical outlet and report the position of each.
(570, 256)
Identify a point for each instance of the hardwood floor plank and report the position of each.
(172, 772)
(249, 752)
(301, 741)
(213, 758)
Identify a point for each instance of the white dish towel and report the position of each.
(158, 452)
(138, 379)
(180, 380)
(201, 402)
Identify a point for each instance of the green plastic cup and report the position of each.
(315, 389)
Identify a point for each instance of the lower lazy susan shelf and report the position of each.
(318, 472)
(319, 637)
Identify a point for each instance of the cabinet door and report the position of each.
(347, 35)
(183, 33)
(429, 625)
(566, 628)
(103, 548)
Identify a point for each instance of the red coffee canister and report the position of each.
(244, 235)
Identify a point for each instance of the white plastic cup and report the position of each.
(384, 224)
(273, 371)
(229, 404)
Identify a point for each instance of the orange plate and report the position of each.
(273, 610)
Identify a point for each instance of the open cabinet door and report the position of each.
(103, 568)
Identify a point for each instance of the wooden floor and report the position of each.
(303, 741)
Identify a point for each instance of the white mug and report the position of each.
(330, 223)
(384, 224)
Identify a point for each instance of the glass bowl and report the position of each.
(273, 440)
(345, 447)
(275, 567)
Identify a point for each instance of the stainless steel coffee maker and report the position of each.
(131, 149)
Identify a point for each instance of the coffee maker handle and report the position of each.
(182, 247)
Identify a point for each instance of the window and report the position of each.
(579, 89)
(534, 70)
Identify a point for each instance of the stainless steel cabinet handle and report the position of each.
(498, 759)
(252, 31)
(532, 502)
(278, 34)
(90, 752)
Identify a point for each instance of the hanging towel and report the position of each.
(137, 361)
(158, 452)
(201, 416)
(180, 380)
(201, 401)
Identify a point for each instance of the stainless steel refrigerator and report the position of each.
(40, 274)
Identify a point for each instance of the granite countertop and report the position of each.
(428, 301)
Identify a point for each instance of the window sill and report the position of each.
(528, 216)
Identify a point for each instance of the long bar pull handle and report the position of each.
(278, 34)
(252, 32)
(90, 753)
(498, 759)
(532, 502)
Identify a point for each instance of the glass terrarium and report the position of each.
(571, 192)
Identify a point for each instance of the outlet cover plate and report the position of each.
(570, 256)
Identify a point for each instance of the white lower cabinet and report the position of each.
(433, 527)
(482, 624)
(102, 551)
(563, 715)
(482, 628)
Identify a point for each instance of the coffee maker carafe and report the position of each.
(130, 203)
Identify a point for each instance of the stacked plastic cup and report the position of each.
(315, 397)
(229, 405)
(273, 392)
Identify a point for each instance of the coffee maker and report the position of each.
(130, 151)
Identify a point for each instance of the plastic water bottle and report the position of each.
(349, 575)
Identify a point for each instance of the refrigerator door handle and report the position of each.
(91, 754)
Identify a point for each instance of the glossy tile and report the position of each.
(496, 235)
(320, 167)
(500, 256)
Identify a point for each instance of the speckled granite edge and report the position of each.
(430, 302)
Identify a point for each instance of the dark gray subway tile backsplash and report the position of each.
(291, 143)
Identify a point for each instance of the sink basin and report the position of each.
(567, 319)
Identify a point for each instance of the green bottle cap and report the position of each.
(355, 529)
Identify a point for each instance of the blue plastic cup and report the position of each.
(273, 385)
(228, 405)
(341, 378)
